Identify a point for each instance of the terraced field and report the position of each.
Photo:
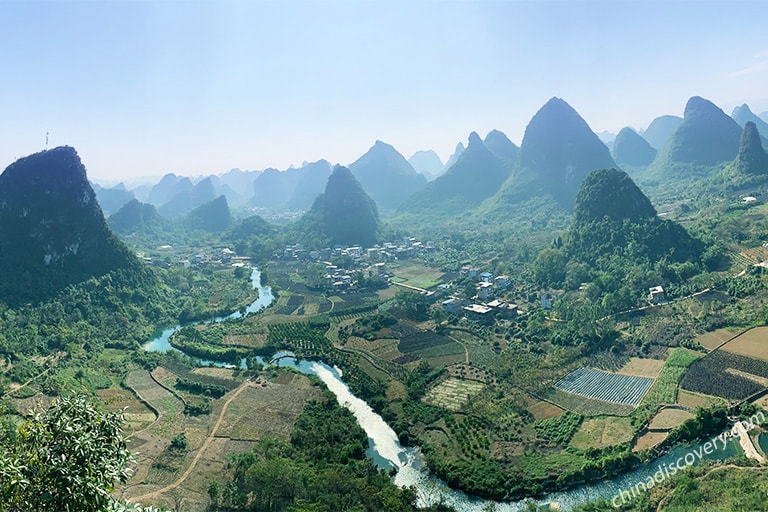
(609, 387)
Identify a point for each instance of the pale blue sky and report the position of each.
(143, 88)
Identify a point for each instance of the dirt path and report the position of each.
(466, 350)
(159, 411)
(200, 451)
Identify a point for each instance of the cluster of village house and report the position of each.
(371, 262)
(223, 256)
(483, 307)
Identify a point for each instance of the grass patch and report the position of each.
(664, 390)
(602, 432)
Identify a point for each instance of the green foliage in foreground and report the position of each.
(323, 468)
(65, 458)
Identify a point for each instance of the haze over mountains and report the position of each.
(487, 178)
(743, 115)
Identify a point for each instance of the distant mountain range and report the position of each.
(293, 189)
(707, 138)
(213, 216)
(488, 178)
(111, 199)
(134, 216)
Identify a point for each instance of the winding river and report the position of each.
(386, 451)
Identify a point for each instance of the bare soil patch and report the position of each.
(542, 410)
(753, 343)
(714, 339)
(649, 440)
(694, 400)
(641, 367)
(667, 419)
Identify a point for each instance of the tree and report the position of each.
(179, 442)
(65, 458)
(413, 304)
(549, 267)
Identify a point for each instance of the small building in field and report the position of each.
(656, 295)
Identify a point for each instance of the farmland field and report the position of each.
(542, 410)
(137, 415)
(694, 400)
(602, 432)
(586, 406)
(640, 367)
(714, 339)
(753, 343)
(418, 275)
(649, 440)
(429, 345)
(453, 393)
(609, 387)
(664, 390)
(667, 419)
(710, 375)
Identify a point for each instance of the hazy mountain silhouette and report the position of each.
(310, 183)
(631, 149)
(386, 175)
(476, 175)
(134, 216)
(455, 156)
(498, 144)
(240, 181)
(186, 197)
(213, 216)
(661, 130)
(607, 137)
(52, 230)
(742, 115)
(166, 188)
(111, 199)
(273, 188)
(427, 163)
